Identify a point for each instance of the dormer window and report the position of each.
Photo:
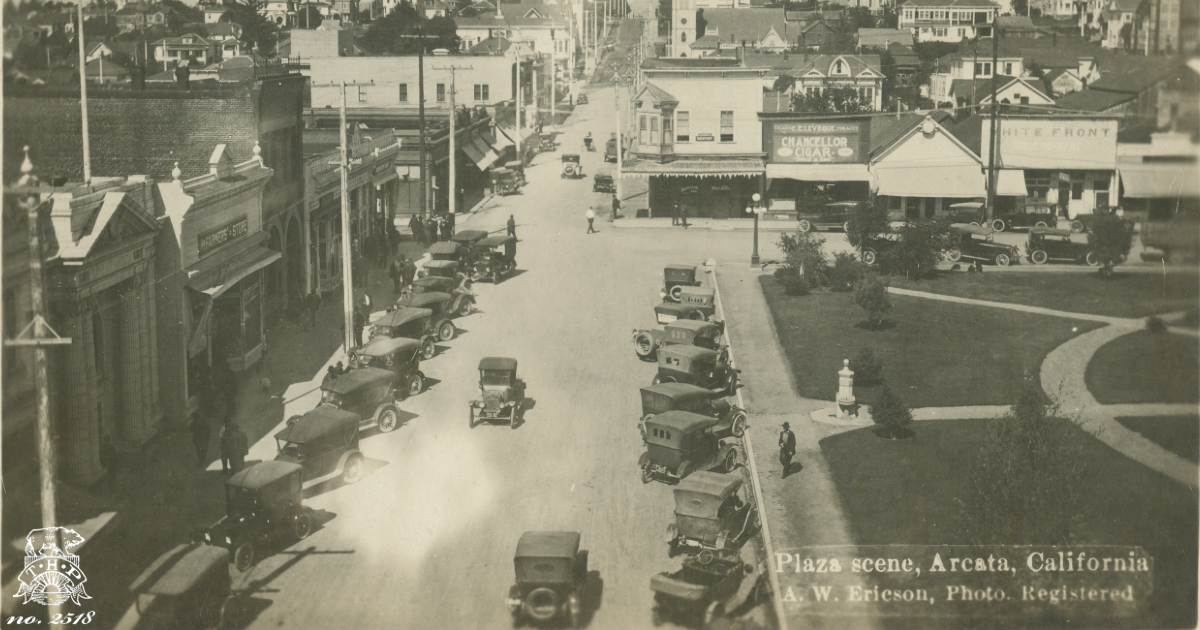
(839, 67)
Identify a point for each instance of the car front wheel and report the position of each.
(954, 255)
(243, 556)
(805, 226)
(731, 383)
(1002, 260)
(738, 425)
(643, 346)
(1040, 224)
(446, 331)
(868, 256)
(353, 471)
(388, 419)
(1092, 259)
(465, 307)
(1077, 226)
(998, 225)
(1039, 257)
(427, 349)
(731, 460)
(416, 385)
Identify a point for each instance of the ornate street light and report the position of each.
(757, 208)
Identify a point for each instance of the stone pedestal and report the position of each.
(845, 396)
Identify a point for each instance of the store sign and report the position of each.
(232, 231)
(815, 142)
(1055, 143)
(704, 137)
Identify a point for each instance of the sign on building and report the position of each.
(818, 142)
(1054, 143)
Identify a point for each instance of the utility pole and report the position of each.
(453, 139)
(517, 140)
(991, 189)
(87, 151)
(421, 37)
(620, 142)
(553, 91)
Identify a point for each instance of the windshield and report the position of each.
(288, 448)
(239, 500)
(494, 377)
(332, 398)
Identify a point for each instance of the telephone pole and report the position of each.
(453, 140)
(347, 258)
(87, 152)
(421, 36)
(993, 132)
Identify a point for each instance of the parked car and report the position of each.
(447, 250)
(468, 239)
(678, 443)
(449, 269)
(675, 278)
(571, 168)
(546, 142)
(834, 215)
(551, 572)
(710, 516)
(697, 366)
(264, 504)
(1047, 244)
(967, 212)
(369, 392)
(443, 305)
(603, 182)
(414, 323)
(186, 588)
(664, 397)
(518, 167)
(610, 150)
(975, 242)
(681, 331)
(502, 393)
(872, 248)
(582, 100)
(324, 442)
(694, 303)
(497, 258)
(700, 592)
(505, 182)
(399, 355)
(1032, 214)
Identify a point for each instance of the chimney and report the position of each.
(182, 72)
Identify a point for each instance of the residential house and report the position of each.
(137, 16)
(216, 14)
(812, 35)
(538, 30)
(102, 71)
(1054, 8)
(905, 60)
(281, 12)
(436, 8)
(1131, 91)
(862, 73)
(763, 29)
(53, 22)
(1020, 26)
(190, 49)
(97, 50)
(1009, 91)
(1017, 58)
(948, 20)
(226, 37)
(1121, 26)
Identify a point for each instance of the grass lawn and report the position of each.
(1178, 434)
(903, 492)
(1145, 367)
(1126, 295)
(935, 354)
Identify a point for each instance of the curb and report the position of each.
(777, 604)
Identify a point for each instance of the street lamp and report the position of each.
(757, 208)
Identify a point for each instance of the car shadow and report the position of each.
(886, 324)
(430, 383)
(402, 418)
(246, 608)
(591, 597)
(370, 465)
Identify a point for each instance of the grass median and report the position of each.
(1146, 367)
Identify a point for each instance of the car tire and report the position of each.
(1092, 259)
(846, 227)
(466, 307)
(428, 350)
(389, 417)
(1077, 226)
(1040, 224)
(353, 470)
(647, 476)
(998, 225)
(676, 292)
(954, 255)
(1039, 257)
(697, 315)
(731, 383)
(731, 460)
(471, 421)
(869, 257)
(715, 611)
(1002, 260)
(243, 556)
(302, 527)
(446, 331)
(804, 226)
(737, 426)
(542, 604)
(416, 385)
(644, 347)
(512, 417)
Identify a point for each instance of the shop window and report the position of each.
(654, 130)
(441, 92)
(726, 126)
(1077, 187)
(1100, 185)
(362, 94)
(1037, 184)
(481, 92)
(682, 129)
(403, 92)
(643, 137)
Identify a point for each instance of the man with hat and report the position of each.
(787, 448)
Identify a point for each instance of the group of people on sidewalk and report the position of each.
(435, 229)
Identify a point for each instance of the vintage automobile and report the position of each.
(675, 278)
(546, 142)
(834, 215)
(518, 167)
(399, 355)
(186, 588)
(975, 242)
(324, 442)
(468, 238)
(502, 394)
(965, 212)
(871, 248)
(694, 303)
(497, 258)
(678, 443)
(551, 572)
(664, 397)
(414, 323)
(602, 182)
(710, 516)
(442, 304)
(697, 366)
(1032, 214)
(681, 331)
(571, 167)
(582, 100)
(447, 250)
(1047, 244)
(264, 506)
(610, 150)
(369, 392)
(701, 591)
(448, 269)
(505, 181)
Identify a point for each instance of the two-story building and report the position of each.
(190, 49)
(697, 137)
(862, 73)
(391, 82)
(947, 20)
(1121, 28)
(538, 32)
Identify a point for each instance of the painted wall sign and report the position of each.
(212, 239)
(1055, 143)
(704, 137)
(817, 142)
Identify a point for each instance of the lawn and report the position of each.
(1178, 434)
(934, 353)
(1126, 295)
(1144, 367)
(904, 492)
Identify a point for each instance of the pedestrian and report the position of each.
(234, 447)
(407, 272)
(414, 226)
(394, 272)
(359, 323)
(340, 368)
(201, 433)
(616, 206)
(449, 232)
(330, 374)
(683, 216)
(675, 214)
(443, 229)
(591, 216)
(431, 230)
(312, 303)
(787, 448)
(512, 226)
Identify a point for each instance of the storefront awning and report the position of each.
(1011, 183)
(1160, 180)
(695, 168)
(480, 153)
(221, 278)
(820, 172)
(940, 181)
(499, 142)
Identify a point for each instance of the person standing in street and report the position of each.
(407, 273)
(683, 217)
(512, 226)
(201, 434)
(675, 214)
(330, 374)
(591, 217)
(312, 304)
(787, 448)
(394, 272)
(616, 206)
(359, 323)
(449, 231)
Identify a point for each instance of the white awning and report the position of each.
(1160, 180)
(820, 172)
(1011, 183)
(930, 181)
(220, 279)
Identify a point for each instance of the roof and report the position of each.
(445, 247)
(384, 346)
(750, 24)
(442, 264)
(708, 42)
(710, 483)
(490, 46)
(972, 229)
(104, 67)
(1123, 6)
(224, 28)
(684, 421)
(697, 63)
(1049, 231)
(323, 420)
(887, 129)
(693, 352)
(469, 235)
(177, 42)
(1090, 100)
(261, 474)
(496, 240)
(679, 390)
(419, 300)
(498, 363)
(178, 570)
(402, 316)
(881, 37)
(548, 545)
(693, 325)
(950, 3)
(680, 266)
(656, 94)
(1134, 78)
(969, 131)
(857, 64)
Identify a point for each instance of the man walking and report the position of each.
(359, 323)
(787, 448)
(394, 272)
(512, 226)
(683, 216)
(234, 447)
(591, 216)
(675, 214)
(201, 433)
(312, 304)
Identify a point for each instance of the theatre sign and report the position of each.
(1055, 142)
(843, 141)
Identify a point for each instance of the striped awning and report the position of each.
(695, 168)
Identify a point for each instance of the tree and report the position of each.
(396, 32)
(918, 250)
(804, 265)
(1036, 69)
(871, 295)
(258, 32)
(701, 23)
(1110, 240)
(830, 101)
(866, 221)
(1020, 7)
(893, 418)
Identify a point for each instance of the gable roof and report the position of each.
(102, 66)
(969, 132)
(857, 65)
(655, 94)
(1089, 100)
(886, 130)
(745, 24)
(491, 46)
(1138, 77)
(708, 42)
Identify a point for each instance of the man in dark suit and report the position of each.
(787, 448)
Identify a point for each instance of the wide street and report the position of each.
(426, 539)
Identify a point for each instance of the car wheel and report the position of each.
(868, 256)
(353, 471)
(471, 421)
(389, 418)
(243, 556)
(512, 416)
(1040, 224)
(466, 306)
(302, 527)
(1039, 257)
(647, 477)
(805, 226)
(998, 225)
(731, 460)
(1002, 260)
(416, 385)
(954, 255)
(446, 331)
(846, 227)
(643, 346)
(1077, 226)
(715, 611)
(974, 223)
(731, 383)
(427, 349)
(542, 604)
(1092, 259)
(738, 424)
(696, 315)
(676, 292)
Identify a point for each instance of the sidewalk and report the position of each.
(702, 223)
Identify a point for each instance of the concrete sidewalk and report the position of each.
(727, 225)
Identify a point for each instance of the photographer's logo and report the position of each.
(52, 575)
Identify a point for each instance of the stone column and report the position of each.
(131, 366)
(77, 395)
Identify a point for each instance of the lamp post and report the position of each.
(757, 208)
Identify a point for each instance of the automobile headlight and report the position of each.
(228, 541)
(207, 537)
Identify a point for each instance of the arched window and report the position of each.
(837, 67)
(683, 37)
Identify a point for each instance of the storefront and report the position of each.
(922, 170)
(814, 160)
(704, 188)
(1158, 179)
